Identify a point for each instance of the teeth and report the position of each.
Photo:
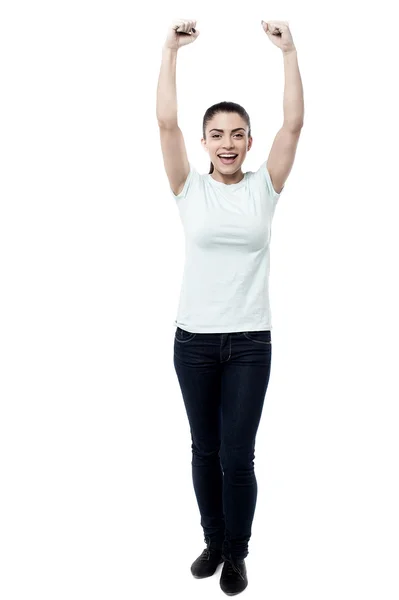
(227, 155)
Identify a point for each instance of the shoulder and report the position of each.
(262, 178)
(192, 182)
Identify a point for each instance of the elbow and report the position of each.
(294, 126)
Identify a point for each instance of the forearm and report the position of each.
(293, 92)
(166, 91)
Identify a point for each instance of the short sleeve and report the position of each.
(267, 179)
(191, 177)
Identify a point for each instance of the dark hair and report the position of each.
(230, 107)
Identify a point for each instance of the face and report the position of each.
(232, 138)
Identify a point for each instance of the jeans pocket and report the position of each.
(260, 337)
(183, 336)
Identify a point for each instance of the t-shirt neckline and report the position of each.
(229, 186)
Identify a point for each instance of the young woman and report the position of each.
(222, 347)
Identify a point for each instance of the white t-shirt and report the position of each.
(227, 230)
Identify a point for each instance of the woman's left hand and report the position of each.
(279, 33)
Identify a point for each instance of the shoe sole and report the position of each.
(233, 593)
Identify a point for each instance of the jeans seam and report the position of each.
(257, 341)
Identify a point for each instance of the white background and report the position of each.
(95, 450)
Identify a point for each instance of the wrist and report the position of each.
(169, 50)
(290, 51)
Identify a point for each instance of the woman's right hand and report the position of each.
(180, 34)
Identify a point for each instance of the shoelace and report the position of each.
(231, 566)
(207, 552)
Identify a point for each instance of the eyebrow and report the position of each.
(237, 129)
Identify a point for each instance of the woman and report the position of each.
(222, 348)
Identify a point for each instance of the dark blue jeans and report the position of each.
(223, 378)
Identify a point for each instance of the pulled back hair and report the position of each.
(221, 107)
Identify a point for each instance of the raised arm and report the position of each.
(172, 142)
(283, 150)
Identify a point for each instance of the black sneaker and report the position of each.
(233, 579)
(207, 563)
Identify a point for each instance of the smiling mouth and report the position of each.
(227, 161)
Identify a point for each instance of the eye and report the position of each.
(217, 134)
